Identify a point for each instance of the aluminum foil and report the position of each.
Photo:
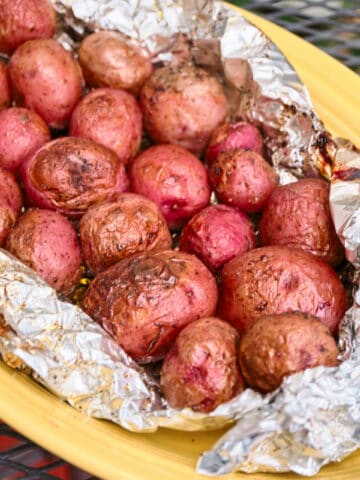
(312, 418)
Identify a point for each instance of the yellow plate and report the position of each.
(106, 450)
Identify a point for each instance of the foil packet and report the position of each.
(312, 418)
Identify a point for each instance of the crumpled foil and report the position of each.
(313, 417)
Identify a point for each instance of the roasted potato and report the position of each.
(182, 104)
(47, 79)
(217, 234)
(272, 280)
(234, 135)
(308, 226)
(275, 346)
(108, 61)
(47, 242)
(111, 231)
(22, 132)
(174, 179)
(201, 369)
(110, 117)
(70, 174)
(22, 20)
(243, 179)
(145, 300)
(5, 97)
(10, 203)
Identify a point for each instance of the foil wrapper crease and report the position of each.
(314, 417)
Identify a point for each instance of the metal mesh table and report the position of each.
(333, 26)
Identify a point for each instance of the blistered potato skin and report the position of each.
(201, 369)
(145, 300)
(22, 132)
(182, 104)
(243, 179)
(70, 174)
(308, 225)
(174, 179)
(47, 242)
(234, 135)
(217, 234)
(47, 79)
(275, 346)
(5, 96)
(10, 203)
(108, 61)
(110, 117)
(111, 231)
(273, 280)
(22, 20)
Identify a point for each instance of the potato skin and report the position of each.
(112, 231)
(145, 300)
(10, 203)
(22, 20)
(110, 117)
(174, 179)
(70, 174)
(217, 234)
(273, 280)
(108, 61)
(47, 242)
(47, 79)
(243, 179)
(22, 132)
(201, 369)
(182, 105)
(5, 97)
(275, 346)
(308, 226)
(234, 135)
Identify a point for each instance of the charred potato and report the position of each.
(201, 369)
(112, 231)
(308, 226)
(70, 174)
(145, 300)
(272, 280)
(275, 346)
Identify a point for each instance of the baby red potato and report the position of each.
(272, 280)
(70, 174)
(5, 98)
(234, 135)
(22, 20)
(144, 300)
(243, 179)
(47, 79)
(22, 132)
(217, 234)
(308, 226)
(47, 242)
(110, 117)
(111, 231)
(182, 104)
(201, 369)
(108, 61)
(10, 203)
(174, 179)
(275, 346)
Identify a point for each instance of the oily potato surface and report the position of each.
(144, 300)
